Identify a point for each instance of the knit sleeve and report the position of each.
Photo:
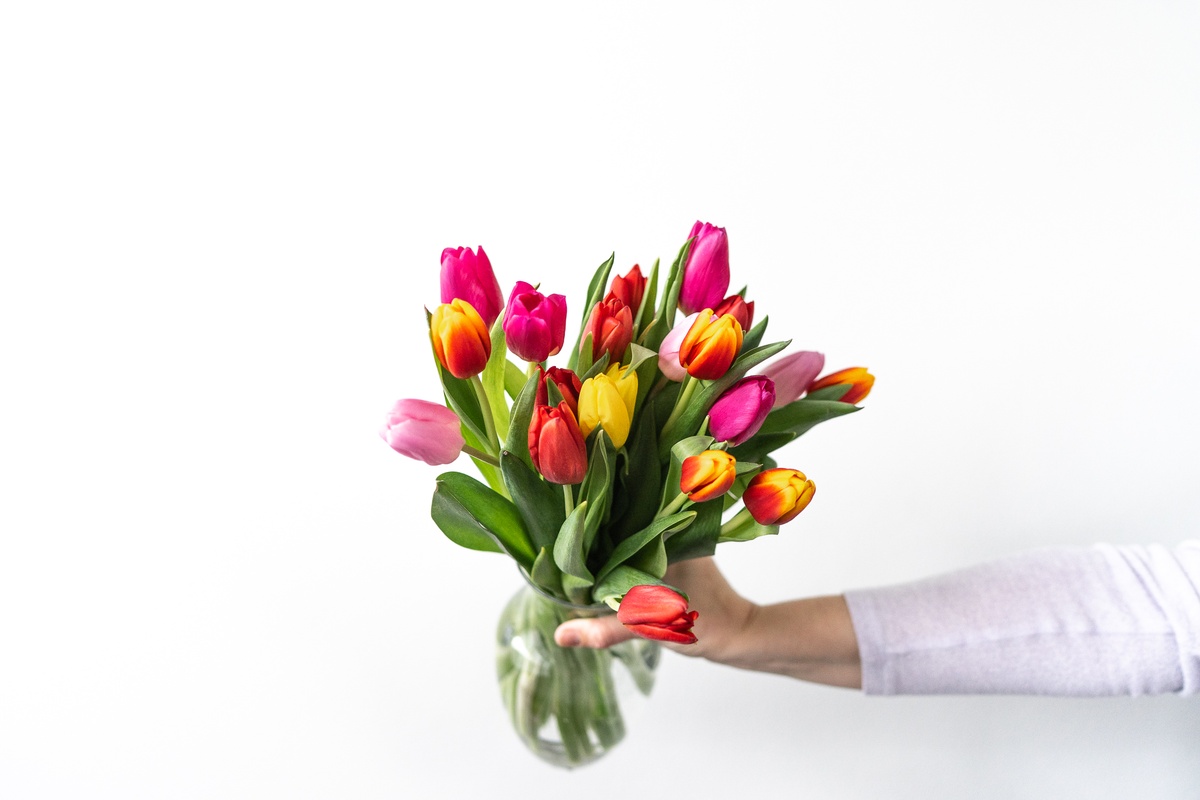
(1092, 621)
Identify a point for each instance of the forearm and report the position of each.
(811, 639)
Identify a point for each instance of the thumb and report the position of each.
(596, 633)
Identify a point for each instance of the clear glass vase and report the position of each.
(568, 705)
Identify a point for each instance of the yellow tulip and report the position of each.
(606, 401)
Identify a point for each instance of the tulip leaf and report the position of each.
(652, 558)
(747, 530)
(517, 440)
(597, 485)
(594, 369)
(514, 379)
(681, 451)
(799, 416)
(493, 378)
(595, 293)
(618, 583)
(470, 513)
(631, 545)
(640, 476)
(649, 298)
(578, 590)
(835, 392)
(539, 503)
(545, 574)
(753, 337)
(569, 553)
(653, 336)
(700, 538)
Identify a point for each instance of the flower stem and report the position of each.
(487, 458)
(673, 506)
(685, 397)
(488, 422)
(568, 499)
(735, 522)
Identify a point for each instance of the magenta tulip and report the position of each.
(467, 276)
(706, 273)
(422, 430)
(668, 351)
(794, 374)
(534, 324)
(739, 412)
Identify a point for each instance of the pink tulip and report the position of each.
(739, 412)
(469, 277)
(706, 273)
(422, 430)
(794, 374)
(668, 351)
(534, 325)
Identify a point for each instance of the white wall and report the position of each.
(220, 224)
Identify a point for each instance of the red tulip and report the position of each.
(534, 324)
(466, 276)
(611, 327)
(629, 289)
(657, 612)
(776, 496)
(857, 378)
(742, 311)
(741, 410)
(567, 383)
(556, 445)
(460, 338)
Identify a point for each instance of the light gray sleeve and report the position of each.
(1086, 621)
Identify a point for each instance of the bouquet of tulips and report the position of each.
(652, 444)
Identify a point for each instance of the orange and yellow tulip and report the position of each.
(710, 346)
(776, 496)
(460, 338)
(859, 380)
(707, 475)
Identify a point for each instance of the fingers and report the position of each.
(597, 633)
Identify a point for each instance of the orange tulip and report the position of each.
(460, 338)
(709, 348)
(859, 380)
(776, 496)
(707, 475)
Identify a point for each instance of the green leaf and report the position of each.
(631, 545)
(664, 319)
(493, 378)
(539, 503)
(546, 574)
(514, 379)
(596, 488)
(641, 475)
(649, 298)
(569, 554)
(652, 558)
(700, 538)
(620, 581)
(800, 416)
(595, 293)
(754, 336)
(835, 392)
(594, 369)
(517, 441)
(470, 513)
(748, 530)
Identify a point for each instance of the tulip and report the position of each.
(668, 351)
(606, 401)
(629, 289)
(710, 346)
(793, 375)
(460, 338)
(739, 412)
(556, 444)
(857, 378)
(706, 273)
(707, 475)
(422, 430)
(742, 311)
(657, 612)
(534, 325)
(611, 327)
(776, 496)
(466, 276)
(567, 383)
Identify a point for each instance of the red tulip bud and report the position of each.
(556, 445)
(611, 327)
(657, 612)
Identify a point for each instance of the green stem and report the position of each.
(488, 422)
(568, 499)
(482, 456)
(673, 506)
(736, 521)
(685, 397)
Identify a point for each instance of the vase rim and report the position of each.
(559, 601)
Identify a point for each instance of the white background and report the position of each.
(219, 223)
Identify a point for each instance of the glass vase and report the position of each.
(568, 705)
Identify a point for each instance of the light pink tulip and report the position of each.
(422, 430)
(668, 351)
(794, 374)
